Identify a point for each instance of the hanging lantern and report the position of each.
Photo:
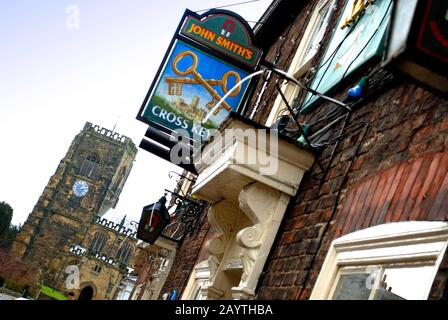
(155, 217)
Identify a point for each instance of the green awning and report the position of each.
(52, 293)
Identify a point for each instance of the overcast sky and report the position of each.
(54, 78)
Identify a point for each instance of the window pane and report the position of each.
(409, 282)
(318, 32)
(197, 296)
(352, 287)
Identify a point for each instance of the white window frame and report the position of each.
(299, 66)
(400, 242)
(199, 279)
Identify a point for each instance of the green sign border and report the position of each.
(213, 25)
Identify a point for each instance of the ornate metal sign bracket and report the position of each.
(171, 174)
(187, 212)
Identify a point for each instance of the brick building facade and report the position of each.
(385, 161)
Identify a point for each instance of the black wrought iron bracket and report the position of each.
(294, 117)
(180, 176)
(189, 211)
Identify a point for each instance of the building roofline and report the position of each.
(264, 18)
(274, 20)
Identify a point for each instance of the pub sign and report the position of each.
(418, 42)
(208, 56)
(358, 39)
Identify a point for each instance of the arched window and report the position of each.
(98, 242)
(91, 165)
(124, 253)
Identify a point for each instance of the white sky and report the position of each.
(53, 80)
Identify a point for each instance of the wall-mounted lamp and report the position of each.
(155, 217)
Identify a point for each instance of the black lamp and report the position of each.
(155, 217)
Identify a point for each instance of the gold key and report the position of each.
(211, 82)
(175, 84)
(198, 78)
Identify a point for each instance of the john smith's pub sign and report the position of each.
(208, 55)
(224, 34)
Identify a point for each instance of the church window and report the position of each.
(98, 242)
(90, 166)
(124, 253)
(97, 268)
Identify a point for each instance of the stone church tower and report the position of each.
(67, 216)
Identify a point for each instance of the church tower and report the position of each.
(87, 183)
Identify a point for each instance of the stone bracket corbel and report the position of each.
(265, 207)
(224, 216)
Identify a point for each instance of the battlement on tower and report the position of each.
(108, 134)
(116, 227)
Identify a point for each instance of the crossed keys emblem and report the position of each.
(358, 9)
(175, 84)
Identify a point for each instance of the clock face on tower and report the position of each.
(80, 188)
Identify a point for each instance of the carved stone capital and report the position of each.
(257, 200)
(265, 207)
(227, 218)
(223, 216)
(249, 239)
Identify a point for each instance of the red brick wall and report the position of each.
(398, 174)
(406, 123)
